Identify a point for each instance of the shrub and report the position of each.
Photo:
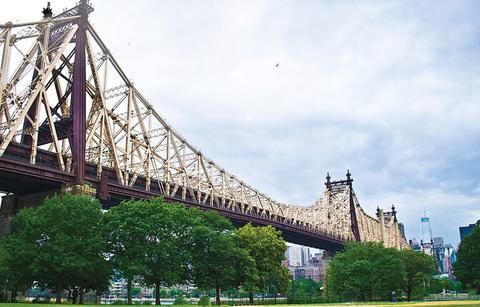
(118, 302)
(180, 300)
(204, 301)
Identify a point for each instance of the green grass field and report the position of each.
(416, 304)
(87, 305)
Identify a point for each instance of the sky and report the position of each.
(387, 89)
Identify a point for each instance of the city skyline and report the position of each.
(387, 90)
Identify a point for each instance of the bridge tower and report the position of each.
(31, 136)
(342, 185)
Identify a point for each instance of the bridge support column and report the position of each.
(11, 203)
(79, 94)
(79, 189)
(7, 211)
(381, 218)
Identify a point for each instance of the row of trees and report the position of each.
(69, 243)
(370, 271)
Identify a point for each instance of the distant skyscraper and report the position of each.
(438, 242)
(426, 229)
(449, 259)
(301, 264)
(295, 255)
(305, 255)
(439, 253)
(298, 255)
(466, 230)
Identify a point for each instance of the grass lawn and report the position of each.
(416, 304)
(86, 305)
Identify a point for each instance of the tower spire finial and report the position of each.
(394, 213)
(349, 177)
(327, 183)
(47, 11)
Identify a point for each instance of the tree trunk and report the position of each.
(409, 289)
(217, 294)
(97, 298)
(250, 297)
(157, 294)
(70, 296)
(75, 296)
(58, 291)
(129, 291)
(80, 301)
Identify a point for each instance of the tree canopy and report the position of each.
(149, 241)
(467, 267)
(419, 269)
(369, 271)
(366, 271)
(218, 261)
(304, 291)
(69, 243)
(267, 249)
(60, 245)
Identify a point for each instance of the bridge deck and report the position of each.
(20, 177)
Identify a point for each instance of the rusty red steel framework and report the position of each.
(70, 115)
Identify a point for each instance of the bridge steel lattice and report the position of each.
(71, 119)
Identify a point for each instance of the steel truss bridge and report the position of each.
(71, 119)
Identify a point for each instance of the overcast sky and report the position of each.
(387, 89)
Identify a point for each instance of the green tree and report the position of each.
(168, 234)
(279, 282)
(267, 249)
(467, 267)
(419, 268)
(438, 284)
(150, 240)
(125, 235)
(135, 292)
(163, 293)
(172, 292)
(304, 291)
(218, 261)
(180, 300)
(204, 301)
(60, 244)
(15, 274)
(366, 271)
